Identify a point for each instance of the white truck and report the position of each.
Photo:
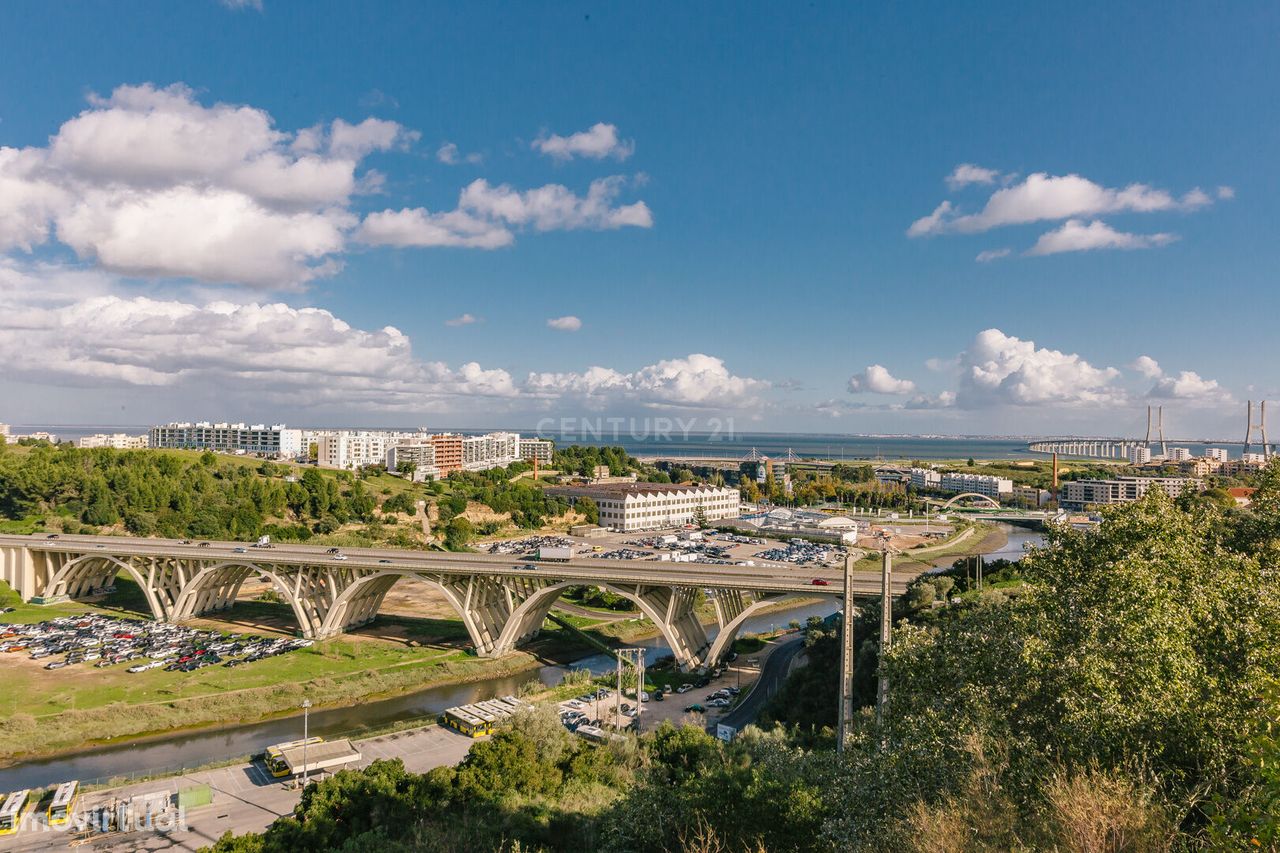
(556, 553)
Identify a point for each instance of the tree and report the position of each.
(457, 533)
(589, 508)
(700, 516)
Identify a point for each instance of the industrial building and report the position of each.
(1078, 494)
(648, 506)
(275, 441)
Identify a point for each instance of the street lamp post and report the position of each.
(306, 736)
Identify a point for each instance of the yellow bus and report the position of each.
(64, 803)
(15, 808)
(463, 720)
(274, 758)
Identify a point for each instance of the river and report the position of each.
(191, 749)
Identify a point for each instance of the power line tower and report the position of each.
(1259, 426)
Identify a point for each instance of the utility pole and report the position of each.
(306, 736)
(886, 627)
(634, 657)
(846, 658)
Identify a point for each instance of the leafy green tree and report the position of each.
(589, 508)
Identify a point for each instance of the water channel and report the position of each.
(195, 748)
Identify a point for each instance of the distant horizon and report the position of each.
(735, 438)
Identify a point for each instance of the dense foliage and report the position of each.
(174, 495)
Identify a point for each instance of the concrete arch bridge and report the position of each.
(501, 600)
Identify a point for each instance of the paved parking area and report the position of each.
(246, 798)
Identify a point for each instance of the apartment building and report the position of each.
(979, 484)
(275, 441)
(1078, 494)
(1217, 454)
(492, 450)
(1139, 455)
(539, 449)
(420, 454)
(649, 506)
(116, 441)
(925, 478)
(448, 447)
(1179, 454)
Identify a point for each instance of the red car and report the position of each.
(821, 582)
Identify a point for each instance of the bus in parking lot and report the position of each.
(274, 758)
(15, 808)
(64, 803)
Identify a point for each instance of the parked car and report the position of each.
(695, 708)
(684, 688)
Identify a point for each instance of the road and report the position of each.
(777, 666)
(764, 576)
(245, 797)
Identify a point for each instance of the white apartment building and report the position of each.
(1078, 494)
(352, 449)
(420, 454)
(492, 450)
(1179, 454)
(649, 506)
(4, 430)
(1139, 455)
(1217, 454)
(257, 439)
(537, 448)
(116, 441)
(1254, 458)
(979, 484)
(925, 478)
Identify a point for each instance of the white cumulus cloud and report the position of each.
(1147, 366)
(967, 173)
(1075, 235)
(421, 228)
(988, 255)
(1189, 386)
(567, 323)
(462, 320)
(697, 380)
(876, 379)
(1000, 369)
(1044, 197)
(450, 155)
(597, 142)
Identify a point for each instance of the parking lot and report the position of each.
(679, 545)
(106, 641)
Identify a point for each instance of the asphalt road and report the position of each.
(777, 666)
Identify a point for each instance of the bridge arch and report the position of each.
(90, 571)
(360, 602)
(670, 609)
(729, 631)
(992, 502)
(216, 586)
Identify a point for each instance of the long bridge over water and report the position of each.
(502, 600)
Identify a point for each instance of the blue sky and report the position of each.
(746, 253)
